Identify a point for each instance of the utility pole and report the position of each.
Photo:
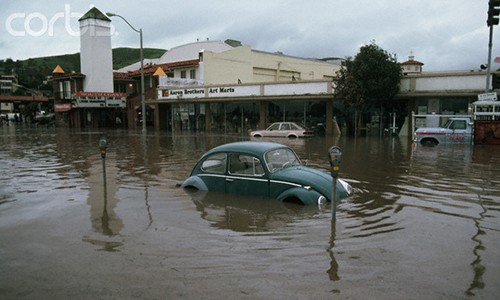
(493, 14)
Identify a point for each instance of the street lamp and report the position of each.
(493, 12)
(143, 104)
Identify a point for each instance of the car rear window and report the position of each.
(215, 163)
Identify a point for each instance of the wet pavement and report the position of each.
(424, 223)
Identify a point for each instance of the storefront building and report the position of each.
(227, 86)
(433, 97)
(236, 109)
(193, 72)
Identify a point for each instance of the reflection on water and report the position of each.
(247, 214)
(478, 267)
(426, 220)
(102, 197)
(333, 271)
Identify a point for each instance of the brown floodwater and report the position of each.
(423, 223)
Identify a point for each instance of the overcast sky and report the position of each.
(443, 34)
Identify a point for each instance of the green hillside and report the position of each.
(33, 72)
(126, 56)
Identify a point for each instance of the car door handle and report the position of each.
(229, 180)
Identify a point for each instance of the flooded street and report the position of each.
(423, 223)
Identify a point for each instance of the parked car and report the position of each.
(263, 169)
(283, 129)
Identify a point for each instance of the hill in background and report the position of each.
(32, 73)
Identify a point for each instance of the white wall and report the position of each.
(96, 57)
(190, 51)
(444, 82)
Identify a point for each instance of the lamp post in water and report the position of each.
(334, 157)
(143, 104)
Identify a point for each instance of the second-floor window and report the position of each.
(192, 74)
(65, 89)
(183, 74)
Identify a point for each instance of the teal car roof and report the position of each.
(251, 147)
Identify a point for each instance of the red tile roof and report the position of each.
(150, 69)
(412, 62)
(67, 75)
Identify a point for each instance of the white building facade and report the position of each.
(96, 57)
(241, 96)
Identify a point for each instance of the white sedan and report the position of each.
(283, 129)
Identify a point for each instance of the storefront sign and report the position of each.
(487, 97)
(99, 99)
(100, 94)
(187, 93)
(62, 107)
(210, 92)
(274, 89)
(234, 91)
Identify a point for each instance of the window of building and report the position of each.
(192, 74)
(183, 74)
(65, 89)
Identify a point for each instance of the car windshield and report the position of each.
(281, 158)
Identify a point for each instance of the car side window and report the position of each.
(458, 125)
(242, 164)
(285, 126)
(274, 127)
(215, 163)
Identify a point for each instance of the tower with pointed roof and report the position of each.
(411, 66)
(96, 58)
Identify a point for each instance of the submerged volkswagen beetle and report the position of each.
(263, 169)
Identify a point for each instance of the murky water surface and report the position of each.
(424, 223)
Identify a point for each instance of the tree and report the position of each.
(368, 81)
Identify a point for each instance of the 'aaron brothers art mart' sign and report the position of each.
(208, 92)
(270, 89)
